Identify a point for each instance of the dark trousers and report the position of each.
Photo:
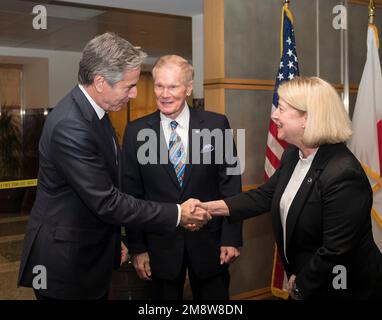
(39, 296)
(212, 288)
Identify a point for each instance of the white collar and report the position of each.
(100, 112)
(308, 159)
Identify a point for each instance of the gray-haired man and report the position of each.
(73, 240)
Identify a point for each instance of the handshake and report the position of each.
(196, 214)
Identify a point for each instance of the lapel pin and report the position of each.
(309, 180)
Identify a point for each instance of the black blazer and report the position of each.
(158, 182)
(74, 225)
(328, 223)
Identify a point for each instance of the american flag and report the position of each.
(288, 69)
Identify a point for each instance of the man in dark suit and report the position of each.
(73, 236)
(164, 258)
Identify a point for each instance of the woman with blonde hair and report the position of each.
(319, 198)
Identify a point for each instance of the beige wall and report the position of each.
(53, 73)
(36, 83)
(10, 80)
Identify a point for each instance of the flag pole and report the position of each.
(345, 61)
(318, 38)
(287, 70)
(371, 11)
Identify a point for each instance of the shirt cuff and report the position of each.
(179, 214)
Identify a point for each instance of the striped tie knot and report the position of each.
(173, 125)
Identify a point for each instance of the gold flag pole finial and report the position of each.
(371, 11)
(286, 2)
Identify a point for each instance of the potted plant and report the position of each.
(10, 160)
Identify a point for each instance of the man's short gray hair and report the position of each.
(110, 56)
(187, 68)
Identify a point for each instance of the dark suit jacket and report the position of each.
(328, 223)
(74, 226)
(158, 182)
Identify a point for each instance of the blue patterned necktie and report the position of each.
(177, 153)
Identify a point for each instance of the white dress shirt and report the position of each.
(99, 111)
(295, 181)
(183, 121)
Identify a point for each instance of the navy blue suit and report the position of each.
(74, 228)
(171, 253)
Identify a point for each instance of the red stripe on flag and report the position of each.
(273, 128)
(379, 131)
(275, 162)
(283, 143)
(278, 278)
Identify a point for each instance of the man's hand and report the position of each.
(291, 283)
(194, 214)
(228, 254)
(124, 253)
(142, 265)
(293, 292)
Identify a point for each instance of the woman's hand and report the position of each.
(217, 208)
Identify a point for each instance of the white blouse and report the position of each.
(295, 181)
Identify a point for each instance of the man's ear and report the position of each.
(189, 87)
(99, 82)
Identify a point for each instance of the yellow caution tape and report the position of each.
(18, 184)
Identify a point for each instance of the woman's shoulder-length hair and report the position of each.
(327, 121)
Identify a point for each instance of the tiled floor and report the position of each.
(10, 227)
(11, 250)
(12, 230)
